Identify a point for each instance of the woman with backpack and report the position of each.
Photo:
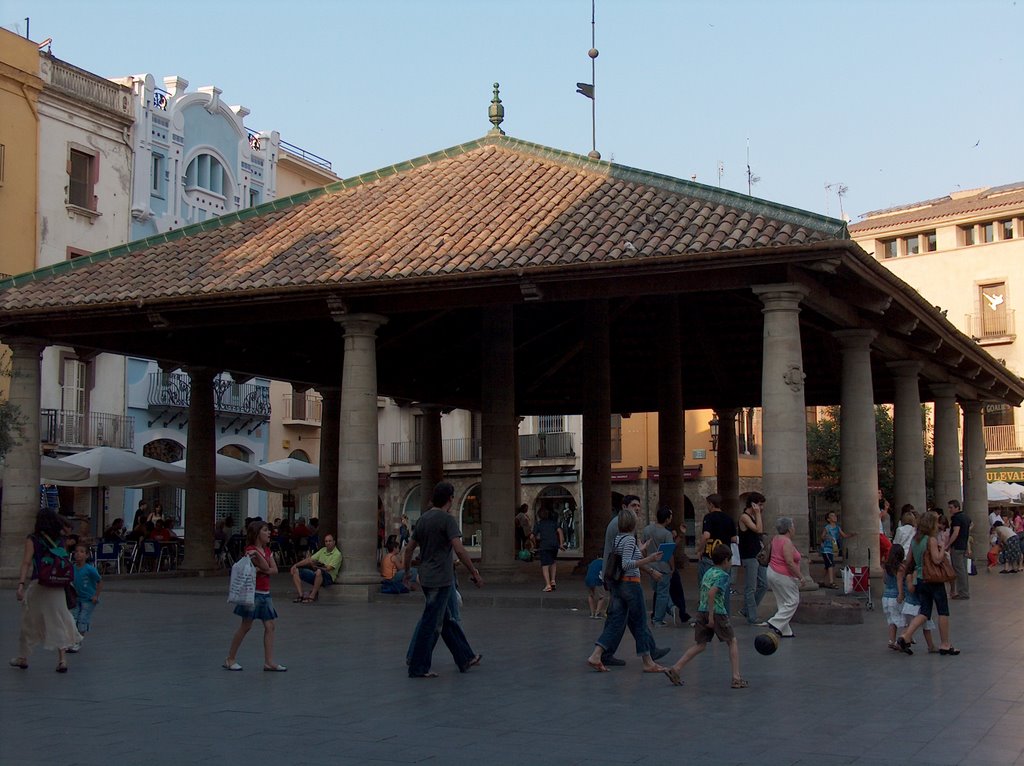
(45, 618)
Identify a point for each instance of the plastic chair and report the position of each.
(109, 553)
(152, 550)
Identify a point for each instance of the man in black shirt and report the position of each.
(719, 529)
(959, 536)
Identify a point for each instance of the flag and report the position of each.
(585, 89)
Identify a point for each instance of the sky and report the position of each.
(895, 100)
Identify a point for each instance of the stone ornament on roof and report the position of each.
(496, 114)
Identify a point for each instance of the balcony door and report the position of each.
(72, 402)
(992, 301)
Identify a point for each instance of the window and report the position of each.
(992, 300)
(1007, 228)
(930, 242)
(616, 444)
(254, 197)
(967, 235)
(550, 424)
(74, 252)
(81, 179)
(889, 248)
(157, 175)
(912, 245)
(205, 172)
(988, 232)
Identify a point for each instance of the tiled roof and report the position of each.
(490, 205)
(988, 201)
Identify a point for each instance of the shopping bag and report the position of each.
(242, 587)
(847, 580)
(736, 561)
(971, 569)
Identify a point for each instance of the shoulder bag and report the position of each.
(55, 569)
(764, 556)
(936, 573)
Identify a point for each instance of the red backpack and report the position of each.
(55, 569)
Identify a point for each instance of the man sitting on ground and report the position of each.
(320, 570)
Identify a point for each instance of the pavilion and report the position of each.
(513, 279)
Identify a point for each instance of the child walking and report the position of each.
(713, 618)
(830, 537)
(597, 597)
(891, 606)
(88, 584)
(257, 547)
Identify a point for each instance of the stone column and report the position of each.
(947, 445)
(908, 438)
(784, 423)
(728, 461)
(21, 472)
(201, 476)
(858, 448)
(671, 427)
(431, 454)
(330, 437)
(597, 429)
(357, 456)
(499, 467)
(975, 481)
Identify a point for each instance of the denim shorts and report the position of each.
(306, 574)
(829, 559)
(930, 593)
(262, 609)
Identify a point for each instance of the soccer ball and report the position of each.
(766, 643)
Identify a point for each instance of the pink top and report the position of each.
(778, 560)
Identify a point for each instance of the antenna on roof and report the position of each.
(751, 178)
(588, 88)
(841, 190)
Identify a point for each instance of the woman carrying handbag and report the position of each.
(933, 571)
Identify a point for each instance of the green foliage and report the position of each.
(823, 454)
(11, 422)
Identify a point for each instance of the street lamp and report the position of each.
(713, 425)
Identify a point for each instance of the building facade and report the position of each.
(964, 252)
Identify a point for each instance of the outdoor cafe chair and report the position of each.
(153, 551)
(107, 554)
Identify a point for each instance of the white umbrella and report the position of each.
(306, 475)
(233, 475)
(51, 469)
(1000, 492)
(109, 467)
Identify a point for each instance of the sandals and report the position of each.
(598, 666)
(950, 651)
(298, 599)
(274, 669)
(547, 589)
(233, 666)
(19, 662)
(673, 676)
(739, 683)
(903, 646)
(62, 667)
(306, 600)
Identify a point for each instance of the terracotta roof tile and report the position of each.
(492, 204)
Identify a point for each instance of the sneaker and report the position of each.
(661, 624)
(612, 661)
(657, 654)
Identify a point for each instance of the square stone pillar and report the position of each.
(975, 480)
(908, 438)
(357, 455)
(858, 448)
(784, 418)
(499, 464)
(947, 445)
(201, 476)
(21, 471)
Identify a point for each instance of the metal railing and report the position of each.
(306, 408)
(546, 445)
(174, 389)
(86, 429)
(992, 324)
(307, 156)
(1004, 438)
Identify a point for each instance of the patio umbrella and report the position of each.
(306, 475)
(234, 475)
(109, 467)
(52, 470)
(999, 492)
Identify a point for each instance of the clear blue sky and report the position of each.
(899, 100)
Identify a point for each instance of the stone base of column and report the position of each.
(349, 593)
(498, 573)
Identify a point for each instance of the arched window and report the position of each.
(562, 505)
(171, 499)
(206, 172)
(471, 516)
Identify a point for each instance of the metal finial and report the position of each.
(496, 114)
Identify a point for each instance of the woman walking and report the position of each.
(755, 583)
(784, 577)
(257, 547)
(550, 541)
(932, 595)
(45, 618)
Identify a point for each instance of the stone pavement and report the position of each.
(148, 688)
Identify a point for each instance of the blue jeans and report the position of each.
(755, 585)
(437, 620)
(661, 599)
(83, 614)
(631, 612)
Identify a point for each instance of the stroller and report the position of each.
(857, 582)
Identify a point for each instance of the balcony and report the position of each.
(555, 444)
(551, 446)
(65, 428)
(174, 391)
(302, 409)
(85, 86)
(1004, 440)
(991, 327)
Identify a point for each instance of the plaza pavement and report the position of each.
(147, 688)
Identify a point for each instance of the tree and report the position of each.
(823, 454)
(10, 416)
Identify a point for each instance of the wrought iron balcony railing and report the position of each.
(303, 408)
(87, 429)
(989, 325)
(531, 446)
(546, 445)
(174, 389)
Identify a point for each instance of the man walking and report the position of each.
(656, 534)
(959, 536)
(437, 534)
(617, 610)
(719, 529)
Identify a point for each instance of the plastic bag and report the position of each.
(242, 587)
